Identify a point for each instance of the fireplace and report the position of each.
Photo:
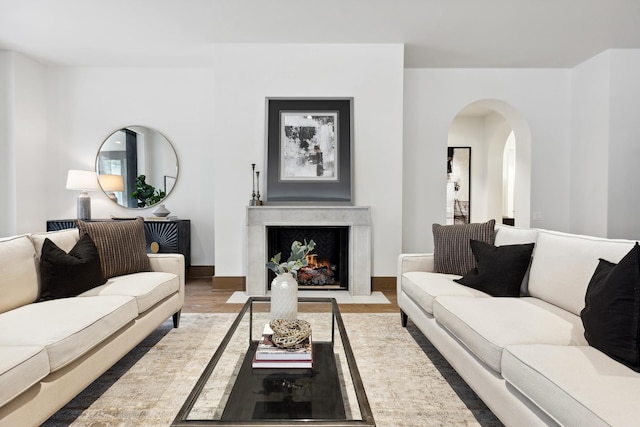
(328, 263)
(355, 219)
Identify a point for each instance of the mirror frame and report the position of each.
(125, 166)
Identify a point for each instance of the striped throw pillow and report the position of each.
(452, 245)
(121, 244)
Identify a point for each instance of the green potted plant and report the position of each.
(146, 194)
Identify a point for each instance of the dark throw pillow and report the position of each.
(500, 269)
(121, 244)
(69, 274)
(452, 250)
(611, 315)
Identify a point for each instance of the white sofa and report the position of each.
(52, 350)
(527, 358)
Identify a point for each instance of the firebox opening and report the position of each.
(329, 261)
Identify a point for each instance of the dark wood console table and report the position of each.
(172, 236)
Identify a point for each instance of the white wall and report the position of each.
(215, 118)
(589, 146)
(30, 136)
(7, 163)
(624, 145)
(606, 145)
(22, 144)
(247, 74)
(434, 97)
(86, 105)
(55, 119)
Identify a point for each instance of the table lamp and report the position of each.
(83, 181)
(111, 184)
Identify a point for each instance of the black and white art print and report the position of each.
(458, 185)
(308, 146)
(309, 150)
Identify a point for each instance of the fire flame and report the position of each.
(314, 262)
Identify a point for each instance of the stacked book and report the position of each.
(161, 218)
(268, 355)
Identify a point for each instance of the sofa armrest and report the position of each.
(413, 262)
(169, 263)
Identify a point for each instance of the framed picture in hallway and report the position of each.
(309, 153)
(458, 185)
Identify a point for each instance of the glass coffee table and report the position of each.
(232, 393)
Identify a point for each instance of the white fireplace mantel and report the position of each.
(357, 218)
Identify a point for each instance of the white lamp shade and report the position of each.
(82, 180)
(111, 182)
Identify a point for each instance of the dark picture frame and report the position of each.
(458, 185)
(309, 150)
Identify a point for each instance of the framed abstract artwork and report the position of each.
(458, 185)
(309, 150)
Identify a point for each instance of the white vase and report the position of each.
(161, 210)
(284, 297)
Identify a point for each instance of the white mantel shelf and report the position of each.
(357, 218)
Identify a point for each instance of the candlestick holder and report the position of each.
(258, 201)
(252, 202)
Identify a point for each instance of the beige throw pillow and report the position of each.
(121, 244)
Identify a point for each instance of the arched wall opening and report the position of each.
(485, 126)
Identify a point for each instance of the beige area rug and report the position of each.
(407, 381)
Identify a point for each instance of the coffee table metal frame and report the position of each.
(366, 416)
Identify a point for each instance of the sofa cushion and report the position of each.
(147, 288)
(424, 288)
(122, 245)
(563, 264)
(67, 327)
(69, 274)
(452, 249)
(487, 325)
(576, 385)
(19, 277)
(64, 239)
(509, 235)
(20, 368)
(500, 269)
(611, 316)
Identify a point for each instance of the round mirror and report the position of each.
(137, 167)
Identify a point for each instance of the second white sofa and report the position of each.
(527, 357)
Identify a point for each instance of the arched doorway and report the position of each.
(486, 127)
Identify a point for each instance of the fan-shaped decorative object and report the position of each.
(164, 235)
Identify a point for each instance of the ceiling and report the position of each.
(436, 33)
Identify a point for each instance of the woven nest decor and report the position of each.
(289, 333)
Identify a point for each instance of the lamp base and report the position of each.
(84, 206)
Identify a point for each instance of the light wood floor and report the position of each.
(200, 297)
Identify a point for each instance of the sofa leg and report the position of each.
(176, 318)
(403, 318)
